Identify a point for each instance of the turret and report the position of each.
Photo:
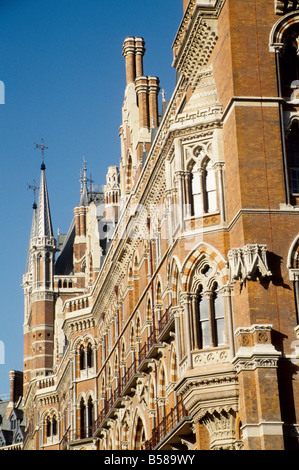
(80, 213)
(39, 289)
(112, 194)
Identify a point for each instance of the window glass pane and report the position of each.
(196, 193)
(220, 331)
(218, 305)
(205, 334)
(294, 180)
(211, 189)
(210, 181)
(203, 308)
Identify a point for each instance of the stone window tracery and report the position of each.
(206, 307)
(202, 186)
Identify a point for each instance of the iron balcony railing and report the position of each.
(167, 424)
(128, 379)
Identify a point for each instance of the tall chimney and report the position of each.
(139, 53)
(141, 86)
(16, 389)
(153, 89)
(16, 385)
(129, 55)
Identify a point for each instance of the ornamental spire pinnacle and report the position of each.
(43, 225)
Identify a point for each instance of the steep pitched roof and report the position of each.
(43, 227)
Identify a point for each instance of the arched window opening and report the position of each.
(90, 416)
(211, 317)
(210, 189)
(89, 356)
(202, 188)
(218, 314)
(54, 426)
(139, 436)
(49, 427)
(204, 321)
(82, 357)
(82, 419)
(289, 61)
(196, 192)
(39, 267)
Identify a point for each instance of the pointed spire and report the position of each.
(84, 192)
(43, 223)
(41, 226)
(43, 214)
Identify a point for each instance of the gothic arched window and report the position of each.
(210, 313)
(82, 357)
(89, 356)
(289, 62)
(82, 419)
(202, 188)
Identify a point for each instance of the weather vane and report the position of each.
(34, 188)
(42, 147)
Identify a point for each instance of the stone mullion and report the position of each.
(229, 323)
(194, 320)
(209, 295)
(176, 314)
(186, 301)
(218, 168)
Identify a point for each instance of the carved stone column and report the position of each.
(218, 167)
(186, 303)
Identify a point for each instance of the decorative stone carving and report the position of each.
(248, 263)
(255, 348)
(213, 400)
(212, 357)
(221, 425)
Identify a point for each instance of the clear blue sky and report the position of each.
(62, 66)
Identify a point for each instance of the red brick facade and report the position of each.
(176, 327)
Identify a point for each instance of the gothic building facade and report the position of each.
(167, 317)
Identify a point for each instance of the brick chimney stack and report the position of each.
(139, 54)
(141, 86)
(153, 88)
(133, 52)
(16, 389)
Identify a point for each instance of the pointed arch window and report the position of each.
(82, 357)
(54, 426)
(89, 356)
(211, 317)
(289, 61)
(202, 188)
(90, 416)
(51, 426)
(82, 419)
